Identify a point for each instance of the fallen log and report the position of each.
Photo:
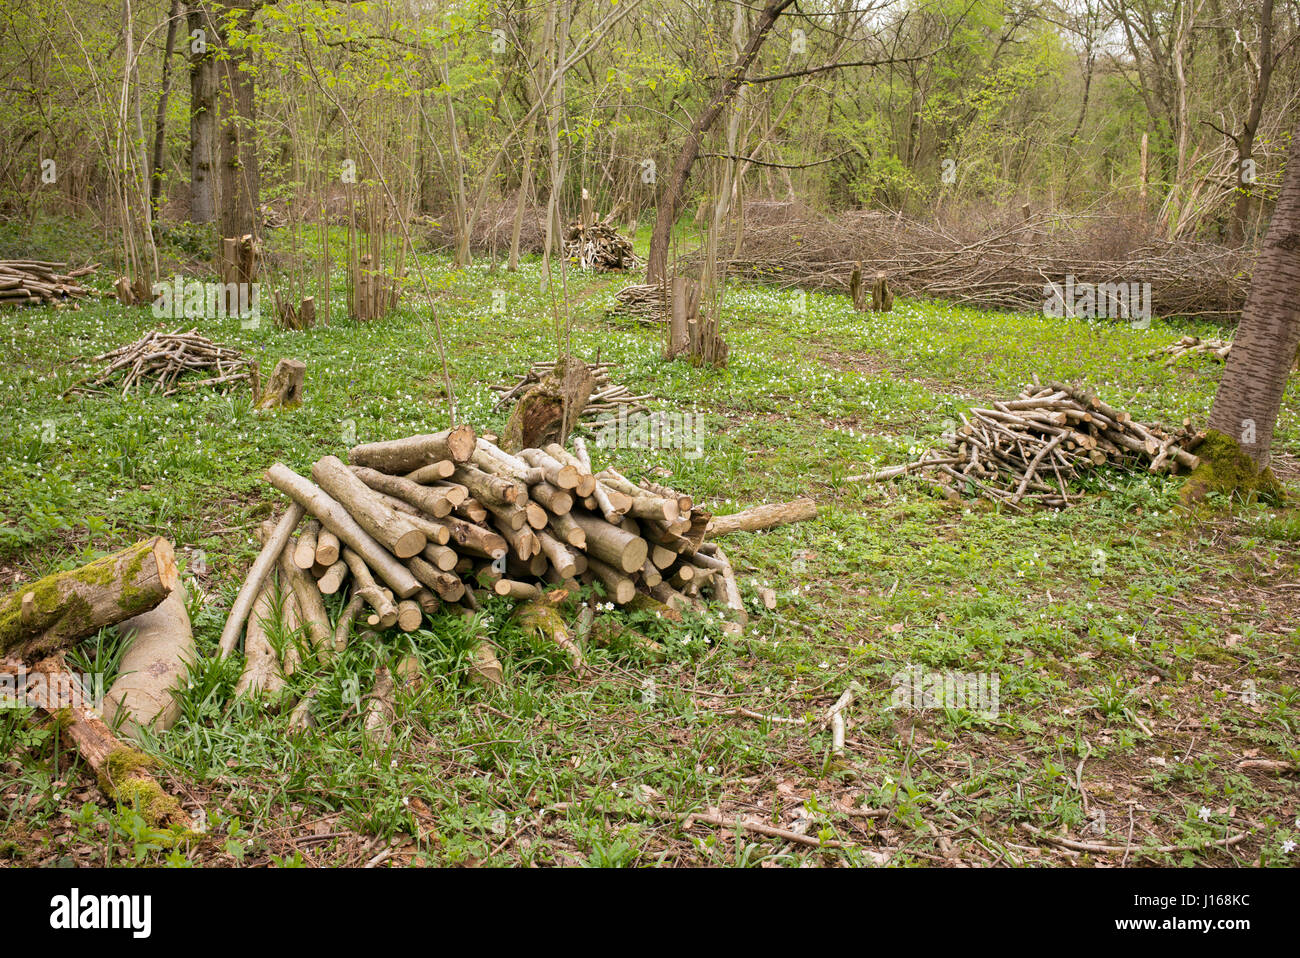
(763, 517)
(159, 651)
(121, 772)
(53, 613)
(401, 456)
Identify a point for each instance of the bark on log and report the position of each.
(364, 585)
(556, 500)
(401, 456)
(539, 615)
(343, 627)
(569, 531)
(335, 518)
(449, 587)
(430, 499)
(621, 589)
(385, 524)
(327, 548)
(262, 671)
(332, 579)
(304, 553)
(611, 544)
(52, 613)
(257, 573)
(380, 711)
(433, 473)
(311, 606)
(763, 517)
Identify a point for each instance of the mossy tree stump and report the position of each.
(284, 389)
(548, 412)
(1227, 469)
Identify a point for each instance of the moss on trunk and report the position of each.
(1226, 470)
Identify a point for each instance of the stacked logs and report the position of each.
(646, 301)
(411, 525)
(163, 359)
(27, 281)
(1032, 447)
(1190, 345)
(606, 396)
(598, 246)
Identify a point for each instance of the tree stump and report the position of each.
(856, 290)
(239, 259)
(882, 297)
(548, 412)
(284, 389)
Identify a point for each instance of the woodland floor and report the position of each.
(1126, 634)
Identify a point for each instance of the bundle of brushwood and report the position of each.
(163, 358)
(645, 301)
(408, 526)
(1030, 448)
(1190, 345)
(605, 396)
(24, 281)
(598, 246)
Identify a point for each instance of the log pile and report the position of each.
(27, 281)
(1190, 345)
(1029, 449)
(606, 396)
(598, 246)
(645, 301)
(162, 359)
(408, 526)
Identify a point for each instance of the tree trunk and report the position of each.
(240, 186)
(1258, 83)
(1255, 374)
(203, 115)
(160, 117)
(670, 202)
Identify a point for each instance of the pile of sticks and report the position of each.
(645, 300)
(412, 525)
(605, 397)
(598, 246)
(1190, 345)
(25, 281)
(1030, 448)
(162, 359)
(1001, 265)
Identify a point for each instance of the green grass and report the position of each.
(1141, 653)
